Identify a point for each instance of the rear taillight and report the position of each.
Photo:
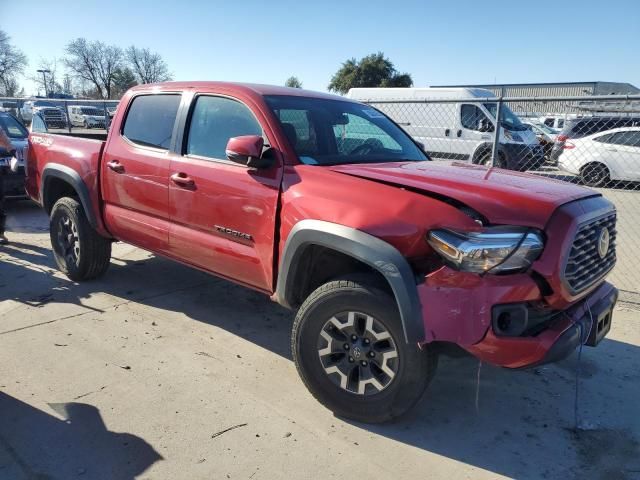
(568, 145)
(562, 138)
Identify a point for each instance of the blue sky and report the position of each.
(445, 42)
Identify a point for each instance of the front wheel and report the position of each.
(349, 349)
(79, 251)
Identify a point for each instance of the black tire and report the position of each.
(484, 158)
(595, 175)
(414, 369)
(79, 251)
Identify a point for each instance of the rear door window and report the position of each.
(150, 120)
(628, 139)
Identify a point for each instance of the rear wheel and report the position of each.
(79, 251)
(349, 348)
(595, 175)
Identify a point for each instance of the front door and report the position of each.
(223, 215)
(135, 172)
(471, 132)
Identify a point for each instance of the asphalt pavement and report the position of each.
(157, 371)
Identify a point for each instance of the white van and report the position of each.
(457, 130)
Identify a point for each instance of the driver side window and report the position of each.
(472, 117)
(357, 131)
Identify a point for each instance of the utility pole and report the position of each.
(44, 80)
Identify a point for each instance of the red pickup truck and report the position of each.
(329, 207)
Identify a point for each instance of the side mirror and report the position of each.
(247, 150)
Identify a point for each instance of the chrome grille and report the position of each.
(585, 266)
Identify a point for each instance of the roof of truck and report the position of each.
(251, 88)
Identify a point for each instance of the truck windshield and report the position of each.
(510, 120)
(333, 132)
(12, 127)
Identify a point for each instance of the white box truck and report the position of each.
(460, 129)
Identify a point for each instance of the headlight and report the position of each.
(496, 249)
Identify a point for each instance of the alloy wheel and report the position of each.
(68, 243)
(358, 353)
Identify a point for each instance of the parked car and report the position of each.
(556, 122)
(25, 112)
(584, 126)
(386, 256)
(546, 136)
(459, 130)
(604, 156)
(9, 106)
(13, 181)
(86, 116)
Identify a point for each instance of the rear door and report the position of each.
(135, 171)
(223, 215)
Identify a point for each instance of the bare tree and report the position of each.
(67, 84)
(148, 67)
(12, 64)
(94, 62)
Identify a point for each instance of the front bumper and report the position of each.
(586, 322)
(458, 308)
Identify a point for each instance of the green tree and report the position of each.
(123, 80)
(371, 71)
(293, 82)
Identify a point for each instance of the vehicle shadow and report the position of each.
(519, 424)
(31, 441)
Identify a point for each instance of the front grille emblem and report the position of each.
(603, 242)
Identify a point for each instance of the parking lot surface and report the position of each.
(157, 371)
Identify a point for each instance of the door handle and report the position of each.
(447, 132)
(183, 180)
(115, 166)
(612, 149)
(459, 133)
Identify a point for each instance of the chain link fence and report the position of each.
(593, 142)
(88, 117)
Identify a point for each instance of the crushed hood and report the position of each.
(501, 196)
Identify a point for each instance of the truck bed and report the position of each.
(75, 156)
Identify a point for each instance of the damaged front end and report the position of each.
(525, 305)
